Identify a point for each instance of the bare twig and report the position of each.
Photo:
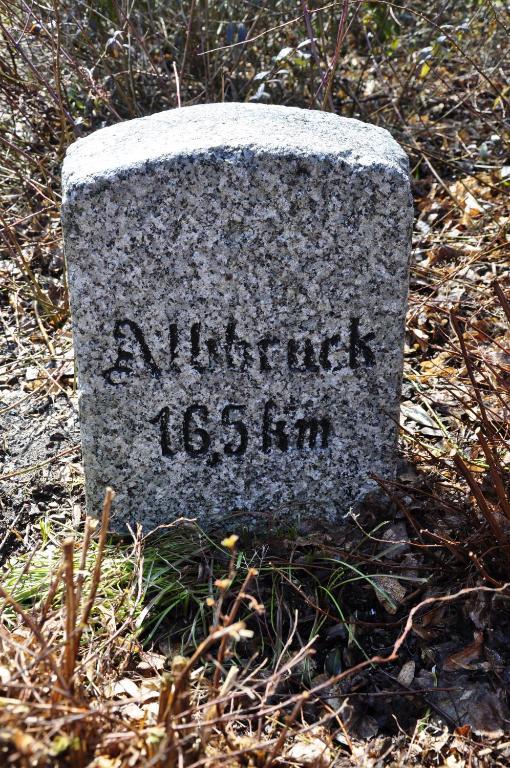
(330, 75)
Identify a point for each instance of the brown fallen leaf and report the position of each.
(150, 662)
(132, 712)
(123, 689)
(390, 592)
(310, 751)
(430, 624)
(462, 659)
(406, 674)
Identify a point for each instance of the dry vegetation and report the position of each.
(384, 643)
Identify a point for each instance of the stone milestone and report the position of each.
(238, 278)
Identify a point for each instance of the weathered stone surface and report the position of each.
(238, 279)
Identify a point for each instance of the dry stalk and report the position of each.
(487, 437)
(330, 75)
(70, 613)
(502, 299)
(484, 506)
(96, 576)
(32, 626)
(496, 473)
(90, 527)
(164, 696)
(178, 702)
(227, 622)
(174, 702)
(189, 30)
(51, 593)
(469, 366)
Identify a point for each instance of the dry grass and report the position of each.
(77, 670)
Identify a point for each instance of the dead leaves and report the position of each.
(430, 624)
(406, 674)
(438, 367)
(418, 420)
(389, 592)
(462, 701)
(464, 658)
(311, 750)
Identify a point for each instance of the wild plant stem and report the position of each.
(70, 612)
(342, 28)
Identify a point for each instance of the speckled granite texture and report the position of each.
(238, 279)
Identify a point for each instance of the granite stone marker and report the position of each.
(238, 278)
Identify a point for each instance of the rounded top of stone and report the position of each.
(228, 127)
